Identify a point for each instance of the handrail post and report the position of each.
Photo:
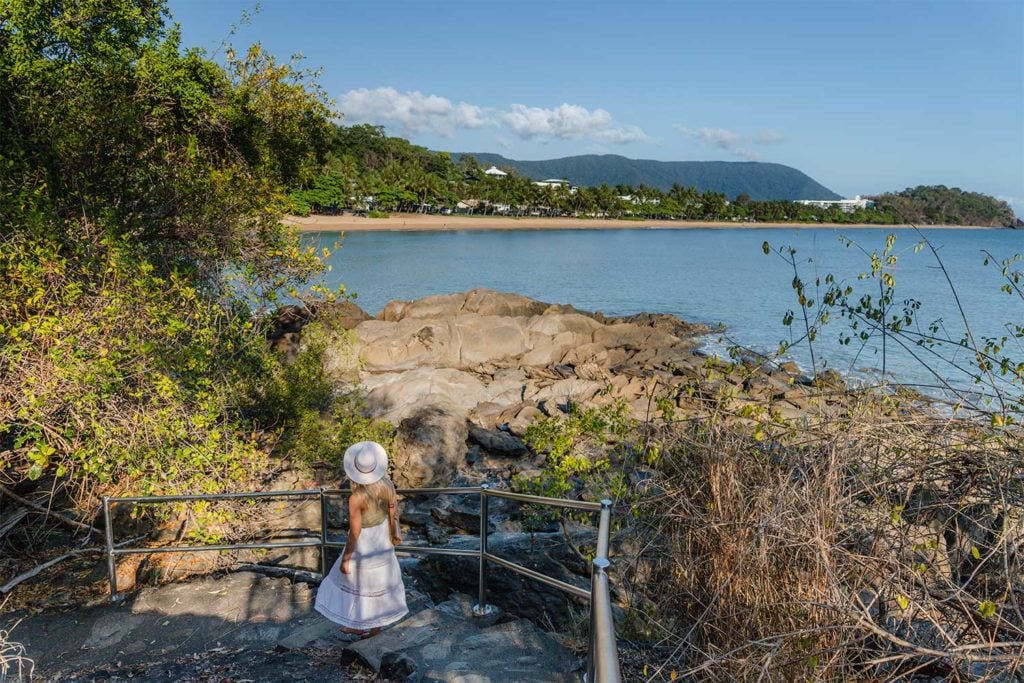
(108, 528)
(603, 658)
(323, 534)
(588, 677)
(481, 608)
(604, 529)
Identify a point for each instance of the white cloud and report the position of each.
(712, 137)
(732, 142)
(769, 137)
(623, 135)
(567, 122)
(412, 112)
(744, 153)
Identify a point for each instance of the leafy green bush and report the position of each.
(316, 425)
(577, 449)
(141, 187)
(118, 372)
(379, 214)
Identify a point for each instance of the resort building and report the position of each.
(847, 205)
(654, 201)
(495, 171)
(552, 182)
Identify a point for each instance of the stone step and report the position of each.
(265, 629)
(447, 643)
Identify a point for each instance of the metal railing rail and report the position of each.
(602, 655)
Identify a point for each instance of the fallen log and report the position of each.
(302, 575)
(35, 571)
(59, 516)
(11, 521)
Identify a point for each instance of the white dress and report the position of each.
(372, 594)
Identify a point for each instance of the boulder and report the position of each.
(430, 444)
(395, 396)
(497, 442)
(389, 347)
(343, 315)
(481, 301)
(487, 339)
(664, 322)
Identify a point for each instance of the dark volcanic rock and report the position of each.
(430, 446)
(546, 553)
(501, 443)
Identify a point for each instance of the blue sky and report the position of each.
(863, 96)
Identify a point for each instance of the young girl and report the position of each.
(364, 591)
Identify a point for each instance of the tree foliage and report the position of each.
(140, 190)
(940, 205)
(368, 171)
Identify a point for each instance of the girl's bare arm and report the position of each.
(396, 532)
(355, 527)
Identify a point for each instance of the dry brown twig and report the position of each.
(848, 547)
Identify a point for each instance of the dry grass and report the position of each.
(14, 665)
(873, 545)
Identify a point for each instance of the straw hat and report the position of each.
(366, 462)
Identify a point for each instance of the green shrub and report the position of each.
(316, 424)
(579, 449)
(141, 187)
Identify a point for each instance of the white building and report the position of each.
(639, 200)
(495, 171)
(847, 205)
(552, 182)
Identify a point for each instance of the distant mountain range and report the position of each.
(758, 180)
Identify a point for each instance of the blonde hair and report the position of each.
(381, 491)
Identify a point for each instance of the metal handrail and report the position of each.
(552, 502)
(602, 655)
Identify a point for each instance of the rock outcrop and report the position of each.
(500, 361)
(430, 445)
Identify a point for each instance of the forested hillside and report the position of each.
(941, 205)
(758, 180)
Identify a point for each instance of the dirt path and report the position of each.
(245, 626)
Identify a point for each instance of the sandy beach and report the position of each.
(416, 221)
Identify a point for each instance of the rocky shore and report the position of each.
(480, 366)
(461, 377)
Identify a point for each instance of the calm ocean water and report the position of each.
(703, 275)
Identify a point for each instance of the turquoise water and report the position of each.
(712, 276)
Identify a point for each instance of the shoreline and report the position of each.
(414, 221)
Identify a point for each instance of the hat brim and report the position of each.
(380, 467)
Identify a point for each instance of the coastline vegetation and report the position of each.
(874, 538)
(368, 172)
(141, 250)
(141, 247)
